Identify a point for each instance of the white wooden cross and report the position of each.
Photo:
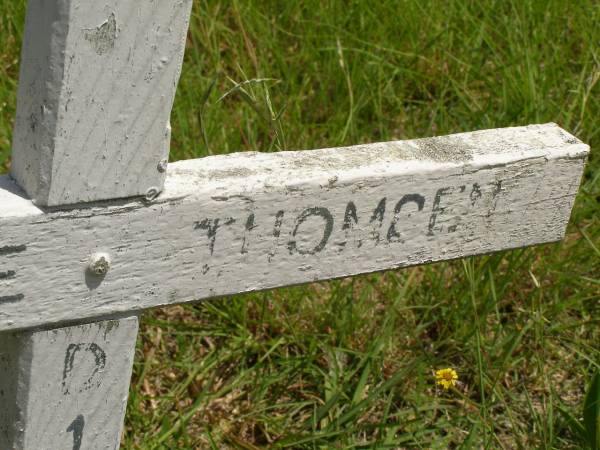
(95, 229)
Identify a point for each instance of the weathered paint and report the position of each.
(96, 87)
(250, 221)
(66, 388)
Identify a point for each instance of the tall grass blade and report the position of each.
(591, 413)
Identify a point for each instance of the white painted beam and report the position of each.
(66, 388)
(250, 221)
(96, 87)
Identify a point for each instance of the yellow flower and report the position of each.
(446, 377)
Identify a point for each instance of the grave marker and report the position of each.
(252, 221)
(91, 242)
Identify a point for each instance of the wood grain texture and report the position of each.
(251, 221)
(96, 88)
(66, 388)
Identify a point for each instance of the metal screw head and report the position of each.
(162, 165)
(99, 264)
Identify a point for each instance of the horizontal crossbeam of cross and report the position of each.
(250, 221)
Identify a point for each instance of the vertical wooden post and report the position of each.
(96, 88)
(66, 388)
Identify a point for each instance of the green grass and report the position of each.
(350, 363)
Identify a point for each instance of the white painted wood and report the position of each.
(66, 388)
(96, 87)
(250, 221)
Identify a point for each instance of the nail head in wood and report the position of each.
(162, 165)
(99, 264)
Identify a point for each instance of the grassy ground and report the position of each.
(350, 363)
